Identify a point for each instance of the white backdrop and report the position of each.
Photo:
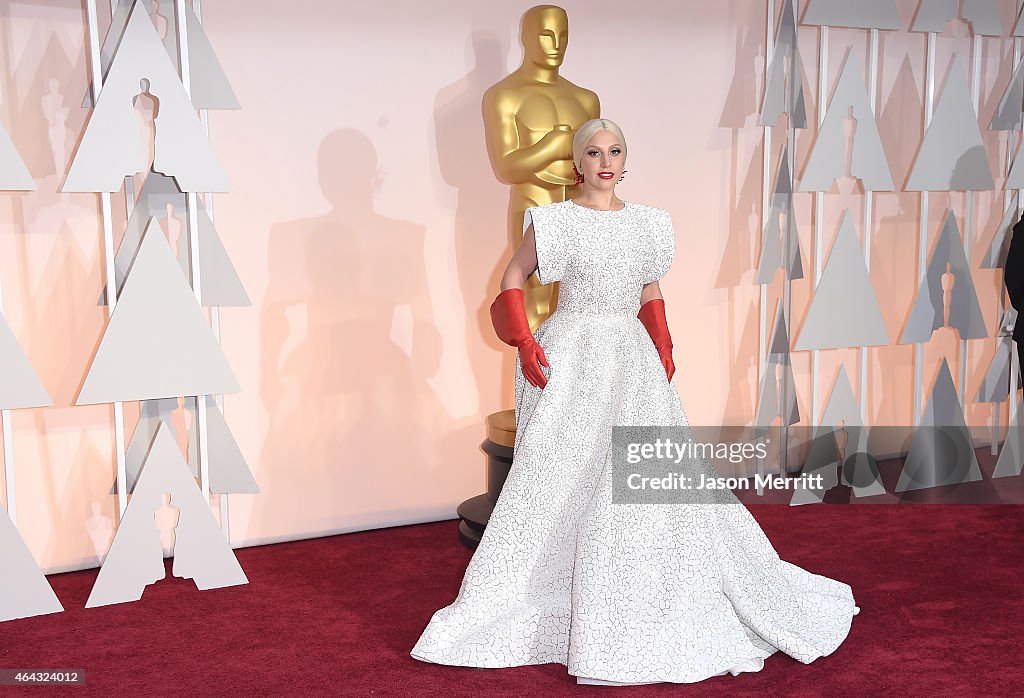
(367, 226)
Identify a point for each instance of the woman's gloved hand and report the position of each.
(508, 315)
(652, 315)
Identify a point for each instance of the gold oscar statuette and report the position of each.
(530, 118)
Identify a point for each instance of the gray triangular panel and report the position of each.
(794, 410)
(1018, 28)
(770, 402)
(158, 342)
(1015, 180)
(14, 176)
(220, 283)
(995, 255)
(771, 236)
(1007, 322)
(1011, 456)
(932, 16)
(828, 156)
(135, 559)
(772, 240)
(844, 310)
(151, 414)
(777, 99)
(210, 88)
(841, 407)
(927, 314)
(795, 270)
(952, 156)
(779, 334)
(780, 98)
(995, 387)
(157, 192)
(19, 385)
(25, 591)
(822, 452)
(984, 17)
(941, 452)
(112, 146)
(229, 473)
(118, 21)
(1007, 116)
(877, 14)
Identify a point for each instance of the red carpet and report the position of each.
(939, 588)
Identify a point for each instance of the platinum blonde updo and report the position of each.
(585, 132)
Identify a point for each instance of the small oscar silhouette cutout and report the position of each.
(173, 227)
(948, 280)
(847, 184)
(100, 529)
(780, 378)
(166, 520)
(56, 114)
(784, 252)
(787, 83)
(159, 21)
(147, 108)
(181, 419)
(946, 339)
(758, 76)
(842, 439)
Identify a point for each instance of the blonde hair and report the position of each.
(585, 132)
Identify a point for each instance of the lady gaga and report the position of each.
(619, 593)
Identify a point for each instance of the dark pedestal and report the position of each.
(476, 511)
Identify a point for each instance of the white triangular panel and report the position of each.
(25, 591)
(135, 560)
(872, 14)
(158, 342)
(844, 310)
(928, 311)
(952, 156)
(112, 146)
(828, 159)
(941, 452)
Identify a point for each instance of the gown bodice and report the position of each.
(602, 259)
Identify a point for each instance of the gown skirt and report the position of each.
(621, 592)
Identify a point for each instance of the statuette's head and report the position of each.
(545, 34)
(599, 153)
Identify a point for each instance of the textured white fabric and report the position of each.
(628, 593)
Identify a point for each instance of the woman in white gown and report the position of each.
(619, 593)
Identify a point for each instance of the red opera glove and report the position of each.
(508, 315)
(652, 315)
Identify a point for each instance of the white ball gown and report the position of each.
(619, 593)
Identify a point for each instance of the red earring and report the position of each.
(579, 177)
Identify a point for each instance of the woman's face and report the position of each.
(603, 160)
